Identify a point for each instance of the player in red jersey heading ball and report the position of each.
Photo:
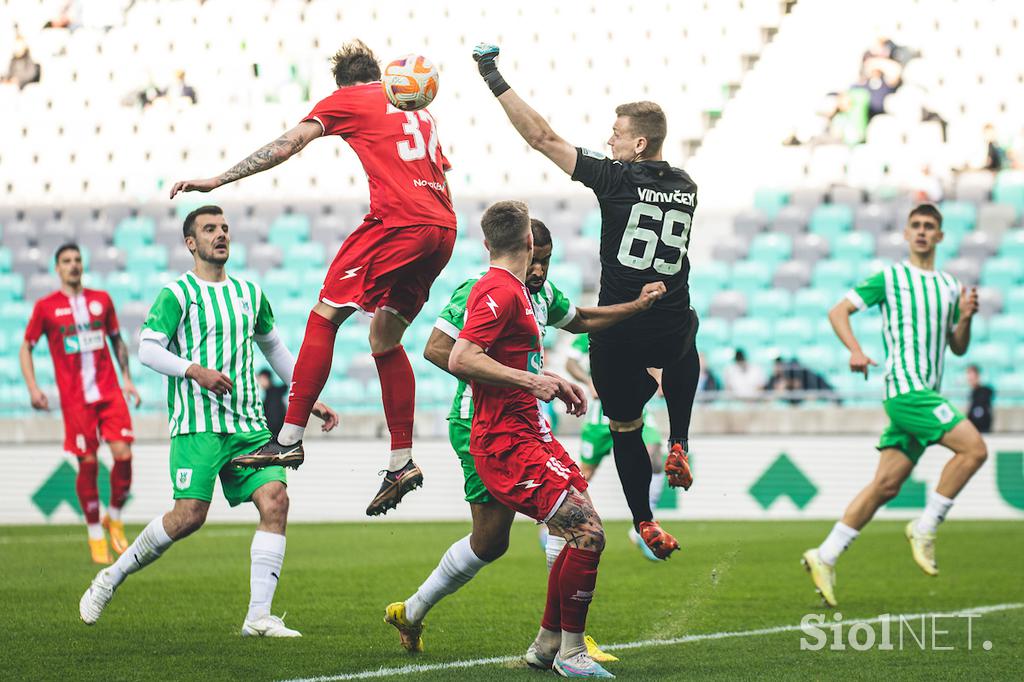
(518, 460)
(384, 269)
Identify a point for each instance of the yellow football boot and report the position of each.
(922, 546)
(823, 576)
(100, 552)
(118, 542)
(410, 635)
(596, 653)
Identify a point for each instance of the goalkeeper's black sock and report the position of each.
(634, 467)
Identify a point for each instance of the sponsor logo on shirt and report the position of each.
(420, 182)
(62, 311)
(490, 303)
(528, 484)
(96, 308)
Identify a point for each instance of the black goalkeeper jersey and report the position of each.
(646, 213)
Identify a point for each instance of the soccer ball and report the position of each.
(410, 83)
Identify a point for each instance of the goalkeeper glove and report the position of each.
(486, 56)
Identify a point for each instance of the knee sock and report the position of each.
(152, 542)
(577, 580)
(309, 377)
(552, 619)
(657, 485)
(89, 496)
(837, 542)
(552, 548)
(120, 484)
(267, 555)
(456, 568)
(934, 513)
(634, 467)
(679, 384)
(398, 392)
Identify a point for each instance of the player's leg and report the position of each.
(416, 256)
(267, 557)
(679, 383)
(81, 440)
(652, 439)
(488, 541)
(894, 466)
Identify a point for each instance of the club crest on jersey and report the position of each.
(96, 308)
(183, 479)
(246, 307)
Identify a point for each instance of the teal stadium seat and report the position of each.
(303, 256)
(770, 200)
(15, 314)
(1013, 301)
(1006, 328)
(147, 258)
(853, 245)
(831, 220)
(820, 357)
(1002, 272)
(958, 216)
(133, 232)
(1009, 388)
(992, 356)
(709, 277)
(569, 278)
(867, 268)
(289, 228)
(1012, 245)
(714, 332)
(123, 286)
(239, 256)
(280, 284)
(5, 259)
(1009, 190)
(791, 332)
(592, 224)
(814, 302)
(771, 246)
(12, 286)
(770, 304)
(750, 276)
(834, 275)
(751, 333)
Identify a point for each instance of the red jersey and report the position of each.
(399, 151)
(77, 328)
(500, 319)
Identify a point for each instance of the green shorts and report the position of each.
(458, 435)
(198, 458)
(596, 441)
(916, 420)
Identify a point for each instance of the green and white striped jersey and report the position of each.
(919, 310)
(550, 308)
(212, 324)
(580, 352)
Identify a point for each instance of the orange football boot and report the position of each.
(659, 542)
(677, 468)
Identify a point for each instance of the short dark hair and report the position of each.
(928, 210)
(188, 229)
(355, 63)
(541, 233)
(67, 246)
(740, 355)
(504, 225)
(647, 120)
(974, 368)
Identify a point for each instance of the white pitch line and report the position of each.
(47, 539)
(472, 663)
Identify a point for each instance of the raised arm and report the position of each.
(121, 353)
(601, 317)
(531, 125)
(839, 316)
(267, 156)
(960, 337)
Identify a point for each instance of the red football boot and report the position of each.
(677, 468)
(659, 542)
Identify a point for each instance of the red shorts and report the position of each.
(531, 478)
(390, 268)
(83, 424)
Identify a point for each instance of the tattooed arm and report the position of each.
(127, 386)
(267, 156)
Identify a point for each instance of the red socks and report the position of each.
(88, 492)
(312, 368)
(576, 582)
(398, 391)
(553, 608)
(120, 482)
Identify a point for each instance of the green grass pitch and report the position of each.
(179, 618)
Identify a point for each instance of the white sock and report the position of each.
(456, 568)
(147, 548)
(95, 531)
(934, 513)
(399, 458)
(552, 548)
(290, 434)
(837, 542)
(572, 644)
(114, 513)
(549, 640)
(267, 553)
(657, 485)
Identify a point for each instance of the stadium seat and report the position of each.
(770, 304)
(853, 245)
(289, 228)
(958, 216)
(728, 305)
(1009, 191)
(751, 332)
(996, 219)
(714, 332)
(873, 218)
(769, 201)
(729, 249)
(810, 248)
(791, 332)
(750, 276)
(791, 220)
(836, 275)
(134, 232)
(978, 245)
(1013, 302)
(1012, 245)
(814, 303)
(709, 277)
(1009, 389)
(12, 286)
(1002, 272)
(746, 224)
(993, 356)
(830, 220)
(304, 256)
(1005, 328)
(5, 259)
(771, 247)
(147, 258)
(792, 276)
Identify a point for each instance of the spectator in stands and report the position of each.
(275, 397)
(995, 155)
(790, 380)
(742, 379)
(980, 411)
(927, 188)
(68, 17)
(879, 85)
(180, 89)
(707, 382)
(22, 69)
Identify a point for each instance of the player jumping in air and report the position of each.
(77, 323)
(646, 212)
(923, 310)
(596, 437)
(384, 269)
(199, 334)
(492, 520)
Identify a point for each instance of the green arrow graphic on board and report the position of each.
(1010, 477)
(783, 479)
(60, 487)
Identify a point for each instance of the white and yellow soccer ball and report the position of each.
(410, 82)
